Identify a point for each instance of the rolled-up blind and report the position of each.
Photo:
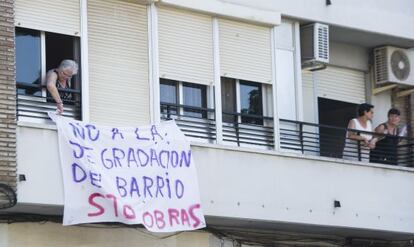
(185, 46)
(118, 63)
(57, 16)
(245, 51)
(341, 84)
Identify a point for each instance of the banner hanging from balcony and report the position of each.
(134, 175)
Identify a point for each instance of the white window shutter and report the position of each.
(118, 63)
(57, 16)
(185, 46)
(245, 51)
(342, 84)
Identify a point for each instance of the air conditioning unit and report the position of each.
(394, 65)
(314, 40)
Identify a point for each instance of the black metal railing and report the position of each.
(195, 122)
(248, 129)
(33, 102)
(330, 141)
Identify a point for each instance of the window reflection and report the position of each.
(194, 95)
(168, 95)
(228, 100)
(251, 102)
(28, 61)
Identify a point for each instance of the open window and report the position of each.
(246, 112)
(242, 101)
(36, 53)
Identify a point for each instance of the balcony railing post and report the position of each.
(236, 126)
(409, 159)
(359, 148)
(301, 137)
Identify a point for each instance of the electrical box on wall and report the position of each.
(314, 40)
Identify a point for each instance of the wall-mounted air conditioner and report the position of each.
(314, 41)
(394, 65)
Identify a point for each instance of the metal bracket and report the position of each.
(379, 90)
(405, 93)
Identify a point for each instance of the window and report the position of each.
(228, 100)
(169, 97)
(251, 102)
(36, 53)
(182, 98)
(28, 62)
(242, 101)
(59, 47)
(247, 113)
(194, 95)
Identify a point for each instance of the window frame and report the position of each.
(266, 100)
(42, 65)
(179, 85)
(249, 83)
(43, 98)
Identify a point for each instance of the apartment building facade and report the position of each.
(266, 124)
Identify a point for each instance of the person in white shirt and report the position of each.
(358, 142)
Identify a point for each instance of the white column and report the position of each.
(274, 87)
(298, 73)
(315, 97)
(217, 82)
(43, 61)
(153, 61)
(84, 60)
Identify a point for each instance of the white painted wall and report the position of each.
(288, 189)
(310, 104)
(256, 185)
(38, 160)
(4, 237)
(348, 56)
(381, 16)
(382, 103)
(285, 70)
(54, 234)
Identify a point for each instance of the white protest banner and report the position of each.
(143, 175)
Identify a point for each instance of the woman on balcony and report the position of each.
(59, 78)
(358, 142)
(385, 151)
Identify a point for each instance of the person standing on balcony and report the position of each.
(385, 151)
(358, 144)
(59, 78)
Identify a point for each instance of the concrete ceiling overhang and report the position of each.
(364, 38)
(275, 231)
(367, 39)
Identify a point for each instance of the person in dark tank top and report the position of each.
(59, 78)
(385, 151)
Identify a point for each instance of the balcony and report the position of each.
(239, 185)
(238, 129)
(195, 122)
(33, 103)
(254, 131)
(249, 130)
(329, 141)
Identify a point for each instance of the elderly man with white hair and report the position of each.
(59, 78)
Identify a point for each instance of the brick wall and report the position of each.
(7, 95)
